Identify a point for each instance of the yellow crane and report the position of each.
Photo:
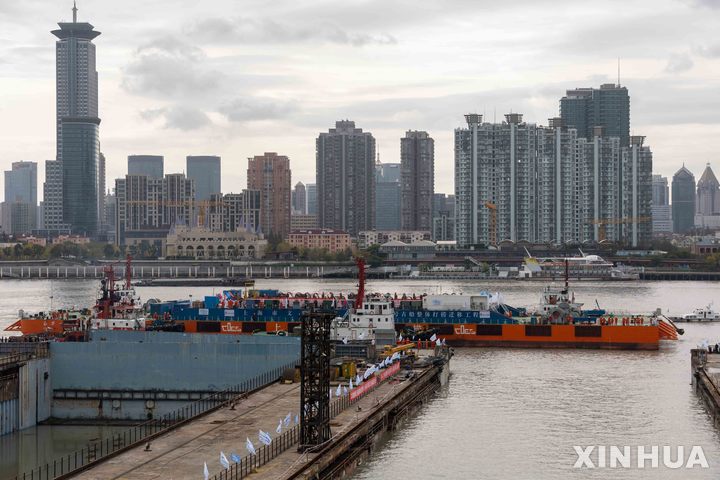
(603, 222)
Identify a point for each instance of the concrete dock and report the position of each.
(182, 452)
(705, 370)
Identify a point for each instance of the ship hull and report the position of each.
(544, 336)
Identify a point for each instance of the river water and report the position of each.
(509, 413)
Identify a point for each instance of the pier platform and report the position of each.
(181, 453)
(705, 370)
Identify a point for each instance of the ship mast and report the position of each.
(360, 262)
(128, 272)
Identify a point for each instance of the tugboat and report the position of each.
(118, 309)
(706, 314)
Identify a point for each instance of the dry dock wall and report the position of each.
(24, 395)
(128, 375)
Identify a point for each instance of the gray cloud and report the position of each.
(679, 62)
(253, 30)
(256, 108)
(178, 117)
(709, 51)
(704, 3)
(170, 68)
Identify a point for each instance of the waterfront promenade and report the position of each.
(182, 452)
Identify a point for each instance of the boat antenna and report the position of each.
(128, 272)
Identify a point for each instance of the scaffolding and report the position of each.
(315, 373)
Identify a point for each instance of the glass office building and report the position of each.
(81, 158)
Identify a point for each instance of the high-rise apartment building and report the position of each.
(708, 193)
(443, 228)
(81, 175)
(417, 182)
(345, 172)
(270, 174)
(76, 97)
(311, 190)
(387, 196)
(235, 211)
(53, 197)
(206, 172)
(20, 206)
(148, 207)
(150, 165)
(299, 199)
(608, 107)
(661, 214)
(683, 201)
(523, 182)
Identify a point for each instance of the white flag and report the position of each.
(433, 338)
(206, 472)
(338, 392)
(361, 336)
(438, 342)
(288, 419)
(344, 340)
(351, 386)
(297, 419)
(345, 391)
(250, 447)
(224, 461)
(358, 380)
(400, 337)
(279, 427)
(264, 437)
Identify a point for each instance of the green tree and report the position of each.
(110, 251)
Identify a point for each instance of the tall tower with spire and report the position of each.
(72, 193)
(76, 75)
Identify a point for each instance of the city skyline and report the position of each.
(671, 88)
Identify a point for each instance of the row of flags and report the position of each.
(438, 341)
(263, 437)
(343, 390)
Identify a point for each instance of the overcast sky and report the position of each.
(238, 78)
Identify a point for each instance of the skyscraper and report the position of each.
(311, 190)
(76, 98)
(20, 206)
(607, 107)
(345, 171)
(708, 195)
(81, 168)
(76, 76)
(299, 199)
(417, 182)
(150, 165)
(21, 183)
(661, 216)
(683, 201)
(206, 172)
(270, 174)
(387, 196)
(53, 197)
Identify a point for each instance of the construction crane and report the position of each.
(493, 223)
(603, 222)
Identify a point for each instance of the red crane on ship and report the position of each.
(360, 262)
